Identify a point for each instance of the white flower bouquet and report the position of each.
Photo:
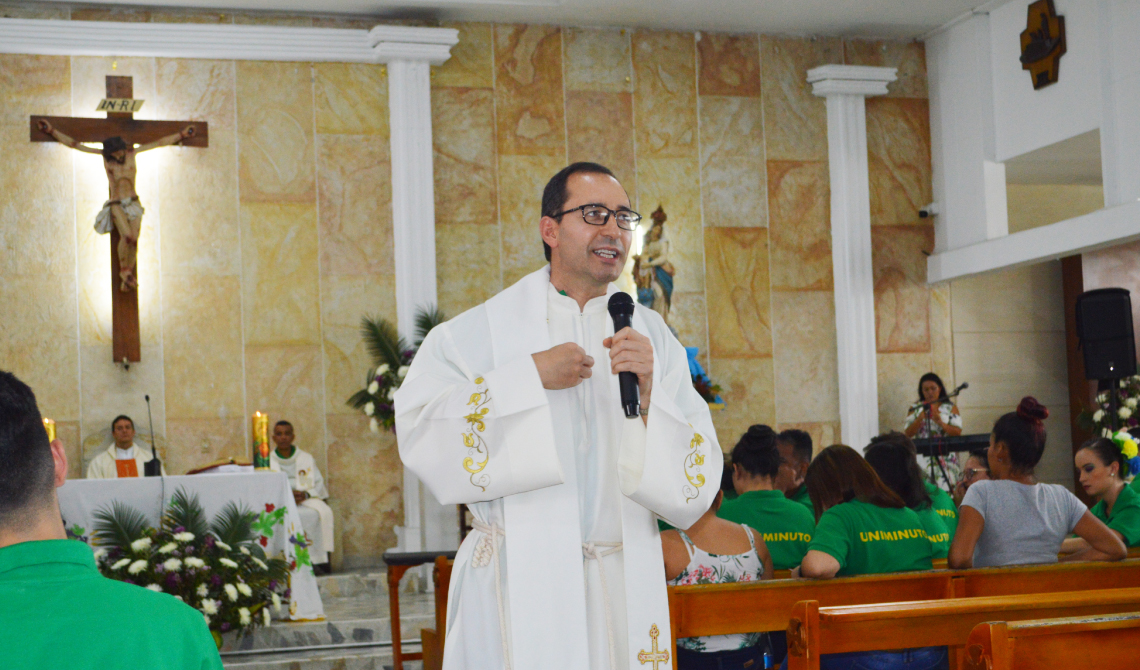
(217, 568)
(1104, 420)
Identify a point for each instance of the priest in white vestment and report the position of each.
(514, 408)
(124, 458)
(309, 491)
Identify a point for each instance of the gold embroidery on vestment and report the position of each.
(478, 454)
(655, 656)
(693, 462)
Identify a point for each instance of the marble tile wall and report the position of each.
(262, 252)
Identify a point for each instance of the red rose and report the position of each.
(268, 507)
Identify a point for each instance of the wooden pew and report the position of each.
(1040, 644)
(722, 609)
(814, 631)
(431, 639)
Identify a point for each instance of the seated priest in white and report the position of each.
(308, 490)
(124, 458)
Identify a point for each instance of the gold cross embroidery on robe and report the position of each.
(656, 656)
(693, 462)
(478, 454)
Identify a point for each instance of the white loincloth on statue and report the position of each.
(131, 207)
(317, 520)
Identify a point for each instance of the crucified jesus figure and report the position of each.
(122, 209)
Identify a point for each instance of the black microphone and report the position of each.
(153, 467)
(621, 309)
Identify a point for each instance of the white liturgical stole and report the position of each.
(549, 558)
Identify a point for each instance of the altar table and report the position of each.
(261, 492)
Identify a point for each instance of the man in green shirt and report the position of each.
(60, 612)
(796, 449)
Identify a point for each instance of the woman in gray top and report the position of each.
(1012, 519)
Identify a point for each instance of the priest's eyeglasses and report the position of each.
(597, 215)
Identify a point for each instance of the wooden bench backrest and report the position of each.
(1040, 644)
(816, 630)
(1015, 580)
(718, 609)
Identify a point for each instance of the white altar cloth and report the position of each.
(261, 492)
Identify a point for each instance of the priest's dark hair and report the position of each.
(120, 418)
(756, 452)
(1023, 432)
(839, 474)
(892, 455)
(554, 196)
(27, 470)
(799, 441)
(283, 423)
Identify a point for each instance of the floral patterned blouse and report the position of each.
(951, 462)
(706, 568)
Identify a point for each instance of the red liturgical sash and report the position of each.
(126, 467)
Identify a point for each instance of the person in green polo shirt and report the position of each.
(944, 506)
(61, 613)
(787, 527)
(862, 528)
(1103, 466)
(796, 449)
(892, 456)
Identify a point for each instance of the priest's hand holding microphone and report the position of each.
(566, 365)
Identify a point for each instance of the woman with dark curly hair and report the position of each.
(1012, 519)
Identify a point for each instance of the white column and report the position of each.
(409, 53)
(846, 87)
(968, 182)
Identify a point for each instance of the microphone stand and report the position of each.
(153, 467)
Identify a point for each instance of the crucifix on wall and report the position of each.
(122, 137)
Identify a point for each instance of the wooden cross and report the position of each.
(654, 656)
(124, 304)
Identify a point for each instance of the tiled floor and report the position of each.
(356, 627)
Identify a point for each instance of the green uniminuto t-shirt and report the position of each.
(1125, 517)
(867, 539)
(801, 496)
(63, 614)
(936, 530)
(944, 506)
(785, 525)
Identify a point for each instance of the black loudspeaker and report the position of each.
(1104, 327)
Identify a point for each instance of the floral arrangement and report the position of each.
(1127, 445)
(391, 359)
(216, 568)
(1102, 421)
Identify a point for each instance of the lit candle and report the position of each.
(49, 426)
(260, 441)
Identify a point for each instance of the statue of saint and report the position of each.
(652, 271)
(122, 209)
